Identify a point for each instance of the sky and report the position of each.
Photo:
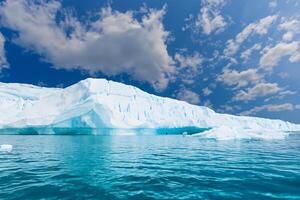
(235, 56)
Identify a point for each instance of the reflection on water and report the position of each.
(148, 167)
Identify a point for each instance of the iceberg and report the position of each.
(94, 104)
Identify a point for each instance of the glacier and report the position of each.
(99, 104)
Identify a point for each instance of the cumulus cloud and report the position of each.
(261, 28)
(113, 44)
(188, 96)
(271, 108)
(259, 90)
(3, 61)
(239, 79)
(209, 20)
(272, 56)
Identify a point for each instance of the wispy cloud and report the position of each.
(273, 3)
(188, 96)
(239, 79)
(210, 19)
(189, 66)
(248, 52)
(272, 56)
(271, 108)
(292, 27)
(192, 61)
(260, 27)
(259, 90)
(206, 91)
(3, 61)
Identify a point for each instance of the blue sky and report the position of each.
(239, 57)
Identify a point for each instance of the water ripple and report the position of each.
(148, 167)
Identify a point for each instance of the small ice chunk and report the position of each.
(6, 147)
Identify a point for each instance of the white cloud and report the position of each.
(297, 106)
(206, 91)
(247, 53)
(188, 96)
(261, 27)
(291, 27)
(209, 20)
(229, 108)
(3, 61)
(239, 79)
(113, 44)
(189, 66)
(272, 56)
(281, 95)
(295, 57)
(287, 92)
(259, 90)
(192, 61)
(271, 108)
(288, 36)
(273, 4)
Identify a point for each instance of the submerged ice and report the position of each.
(98, 103)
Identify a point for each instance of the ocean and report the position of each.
(148, 167)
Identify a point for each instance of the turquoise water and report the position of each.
(148, 167)
(102, 131)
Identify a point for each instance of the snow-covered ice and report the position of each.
(228, 133)
(98, 103)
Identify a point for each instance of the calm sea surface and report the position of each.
(148, 167)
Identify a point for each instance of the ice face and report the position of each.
(98, 103)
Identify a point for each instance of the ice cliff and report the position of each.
(98, 103)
